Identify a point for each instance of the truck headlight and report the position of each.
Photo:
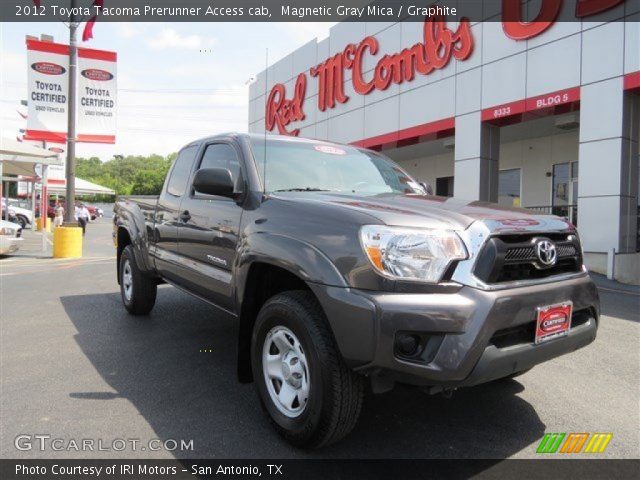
(411, 253)
(7, 231)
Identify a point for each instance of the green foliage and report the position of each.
(130, 175)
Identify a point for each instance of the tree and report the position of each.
(148, 183)
(133, 174)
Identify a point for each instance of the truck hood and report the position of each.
(428, 211)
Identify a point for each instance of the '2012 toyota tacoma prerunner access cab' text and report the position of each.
(340, 268)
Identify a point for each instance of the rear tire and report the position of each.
(138, 290)
(327, 395)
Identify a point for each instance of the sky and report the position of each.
(176, 81)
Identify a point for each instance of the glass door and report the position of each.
(564, 194)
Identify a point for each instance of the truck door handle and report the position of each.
(185, 216)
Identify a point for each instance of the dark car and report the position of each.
(342, 271)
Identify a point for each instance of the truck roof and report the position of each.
(261, 136)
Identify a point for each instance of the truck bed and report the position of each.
(143, 201)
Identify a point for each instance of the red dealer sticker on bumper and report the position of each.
(553, 321)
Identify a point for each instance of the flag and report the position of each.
(88, 28)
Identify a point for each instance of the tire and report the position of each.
(138, 290)
(333, 391)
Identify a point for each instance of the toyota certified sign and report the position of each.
(48, 81)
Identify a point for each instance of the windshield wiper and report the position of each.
(305, 189)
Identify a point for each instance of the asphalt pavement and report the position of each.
(74, 365)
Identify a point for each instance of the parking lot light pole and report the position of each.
(70, 167)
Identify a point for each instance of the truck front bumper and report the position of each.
(471, 336)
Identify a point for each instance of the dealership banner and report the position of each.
(48, 81)
(96, 96)
(48, 84)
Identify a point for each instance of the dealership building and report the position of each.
(544, 117)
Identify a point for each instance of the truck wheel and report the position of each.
(138, 290)
(311, 396)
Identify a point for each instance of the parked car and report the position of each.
(341, 270)
(18, 214)
(10, 237)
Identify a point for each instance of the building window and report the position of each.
(444, 186)
(509, 187)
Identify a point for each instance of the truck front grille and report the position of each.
(513, 257)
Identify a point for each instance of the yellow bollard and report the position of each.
(67, 242)
(47, 224)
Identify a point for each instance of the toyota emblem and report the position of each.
(546, 252)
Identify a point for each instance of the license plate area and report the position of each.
(553, 321)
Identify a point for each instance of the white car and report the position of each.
(20, 215)
(9, 237)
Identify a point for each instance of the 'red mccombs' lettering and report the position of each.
(439, 45)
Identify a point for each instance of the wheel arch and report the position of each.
(123, 239)
(263, 280)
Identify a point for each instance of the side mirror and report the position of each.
(427, 188)
(214, 181)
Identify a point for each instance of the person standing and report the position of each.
(58, 218)
(82, 216)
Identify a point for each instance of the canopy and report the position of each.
(20, 158)
(83, 187)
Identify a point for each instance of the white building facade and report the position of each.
(545, 120)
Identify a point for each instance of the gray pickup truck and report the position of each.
(342, 270)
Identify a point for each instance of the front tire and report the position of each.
(138, 291)
(312, 397)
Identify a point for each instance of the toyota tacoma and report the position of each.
(343, 272)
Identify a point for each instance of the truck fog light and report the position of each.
(407, 344)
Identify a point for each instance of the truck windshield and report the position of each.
(315, 166)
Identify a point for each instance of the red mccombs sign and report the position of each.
(434, 52)
(438, 46)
